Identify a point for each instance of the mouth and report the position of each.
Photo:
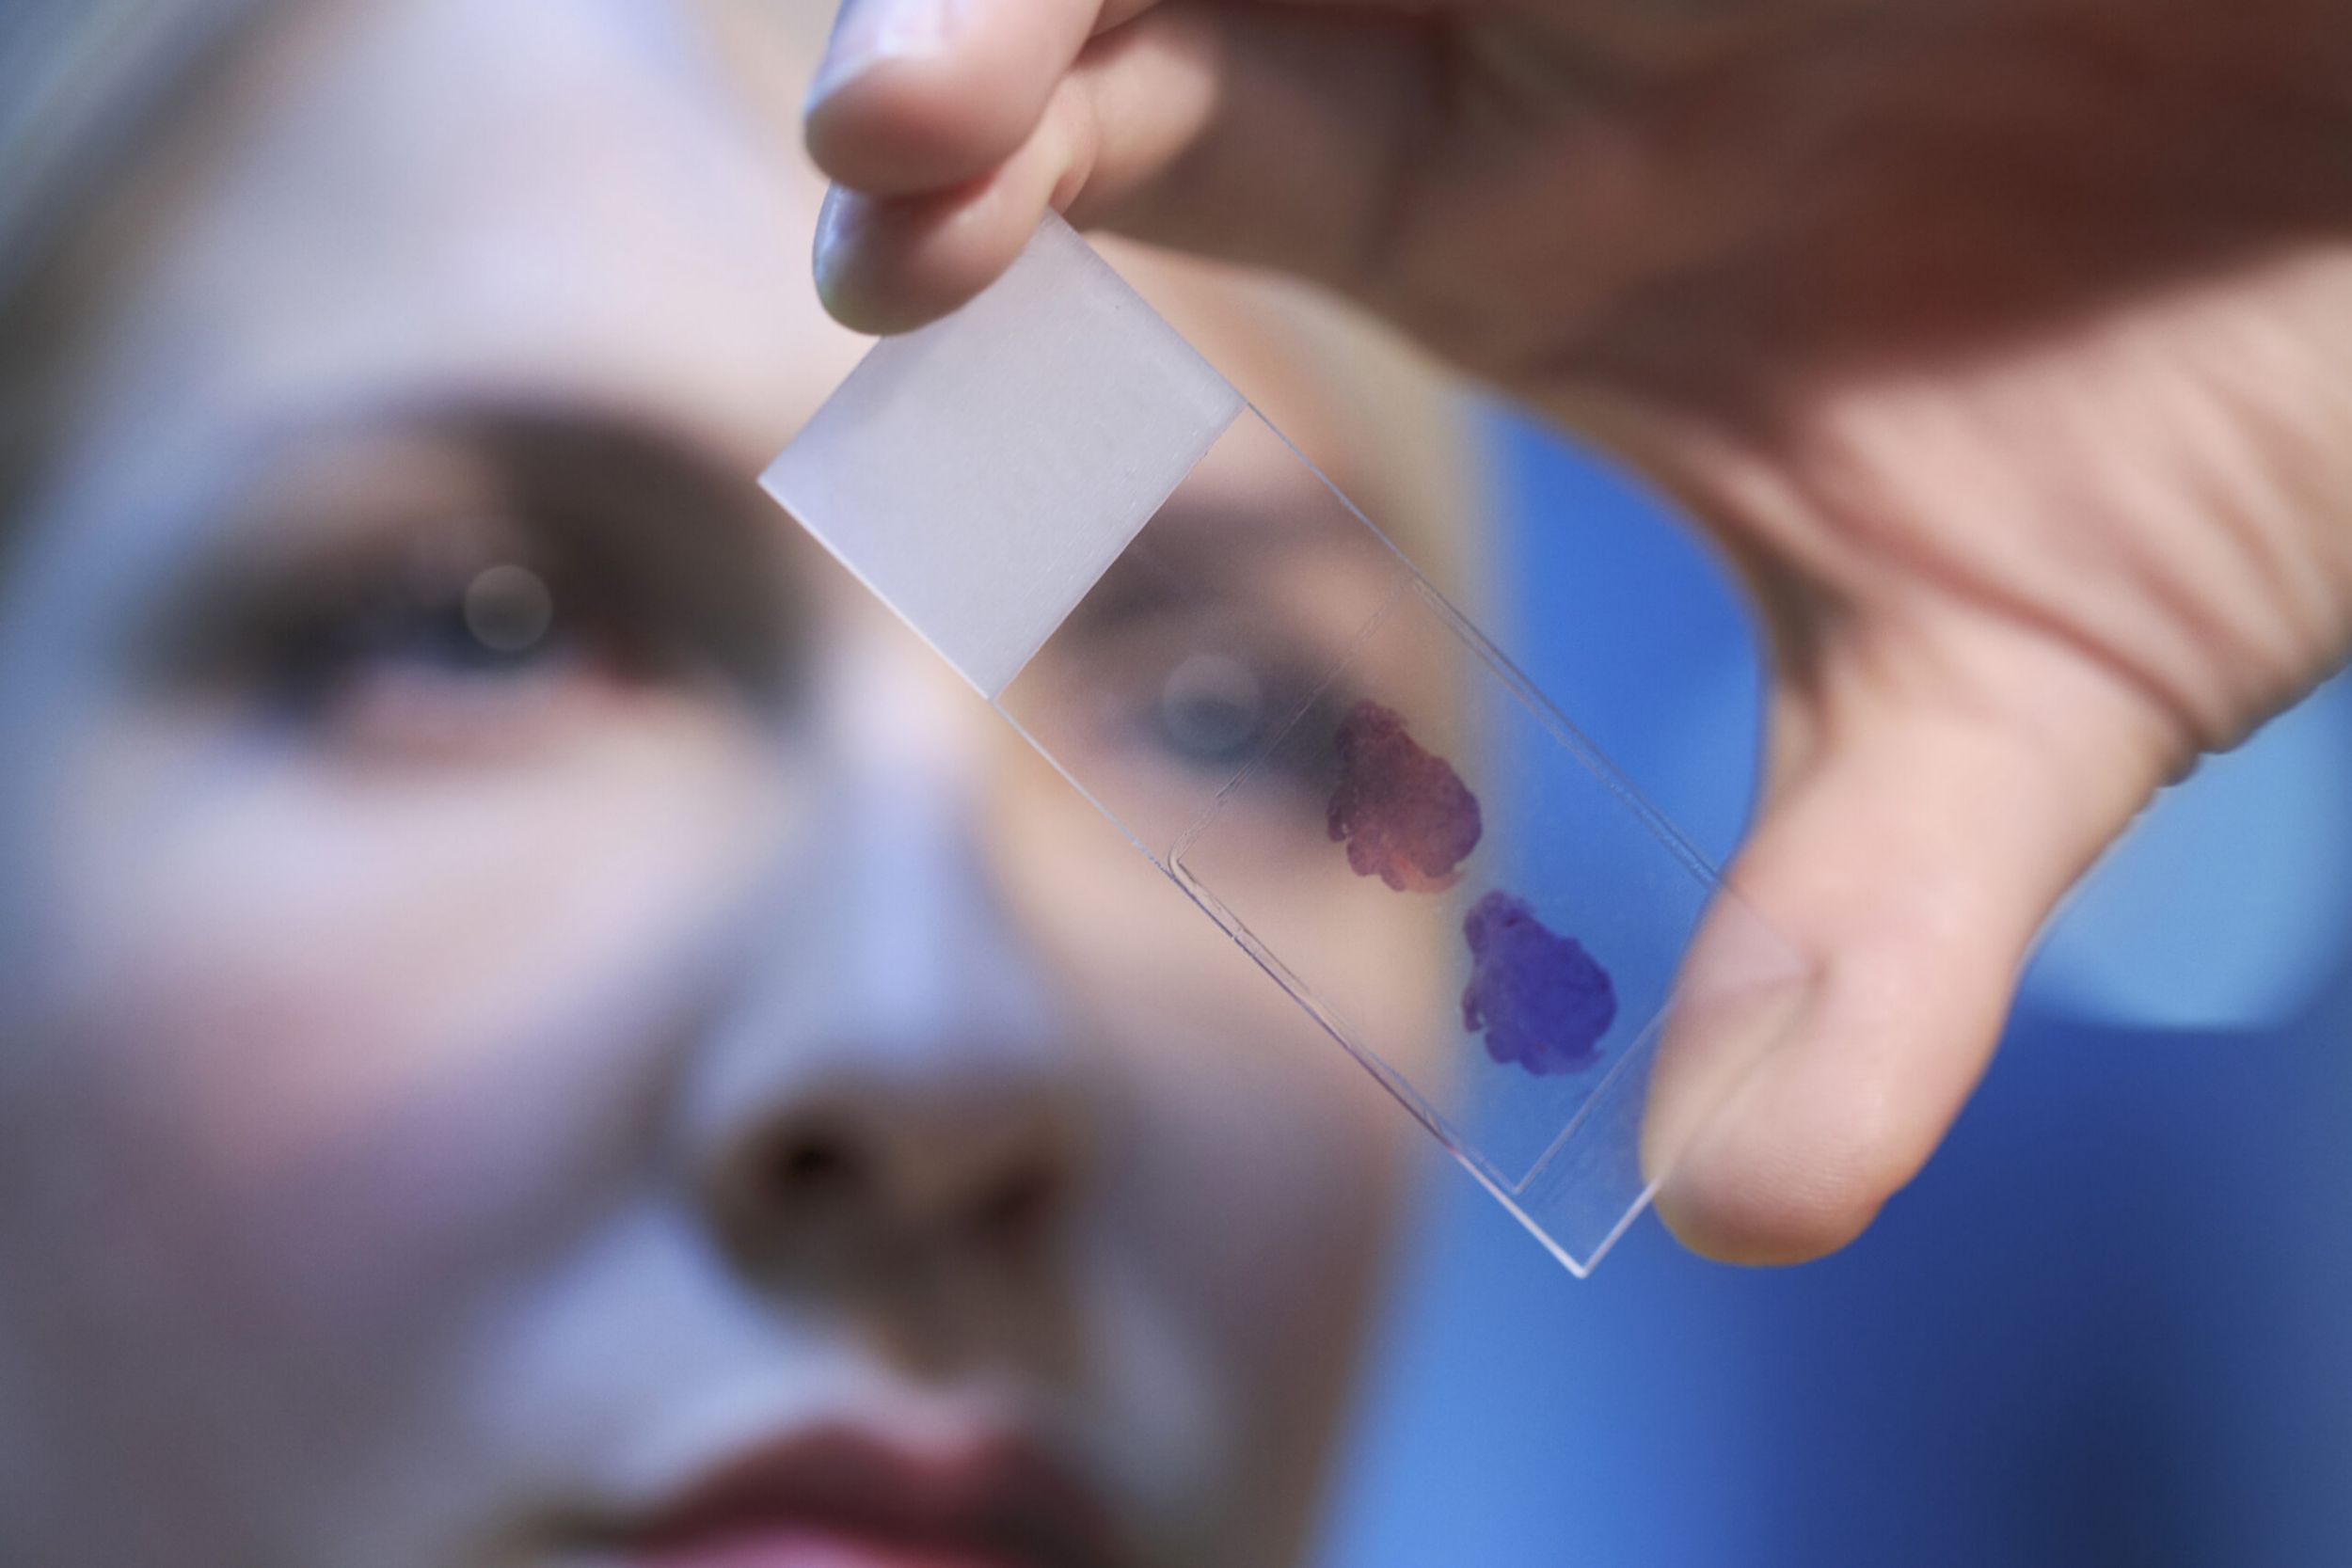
(845, 1499)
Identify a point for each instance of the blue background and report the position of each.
(2108, 1324)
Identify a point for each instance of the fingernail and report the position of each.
(869, 33)
(833, 221)
(841, 223)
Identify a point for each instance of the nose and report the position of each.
(895, 1083)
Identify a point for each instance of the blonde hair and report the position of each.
(83, 83)
(88, 89)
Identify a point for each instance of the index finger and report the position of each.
(917, 96)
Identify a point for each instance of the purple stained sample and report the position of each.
(1404, 814)
(1541, 998)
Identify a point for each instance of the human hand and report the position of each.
(2003, 346)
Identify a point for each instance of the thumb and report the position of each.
(1910, 854)
(1268, 134)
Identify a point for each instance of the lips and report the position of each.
(794, 1549)
(844, 1500)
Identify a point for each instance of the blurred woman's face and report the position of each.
(541, 1027)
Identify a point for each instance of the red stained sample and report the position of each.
(1543, 1001)
(1404, 814)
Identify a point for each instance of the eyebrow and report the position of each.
(1194, 558)
(538, 447)
(555, 449)
(594, 462)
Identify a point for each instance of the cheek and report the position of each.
(365, 1028)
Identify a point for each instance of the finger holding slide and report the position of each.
(1260, 132)
(914, 95)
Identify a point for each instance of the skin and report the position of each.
(2000, 344)
(455, 1096)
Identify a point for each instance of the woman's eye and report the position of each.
(501, 621)
(1212, 710)
(1219, 713)
(437, 663)
(507, 611)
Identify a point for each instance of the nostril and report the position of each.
(816, 1168)
(822, 1190)
(1019, 1208)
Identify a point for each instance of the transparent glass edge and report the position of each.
(1518, 1197)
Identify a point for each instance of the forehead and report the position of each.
(445, 197)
